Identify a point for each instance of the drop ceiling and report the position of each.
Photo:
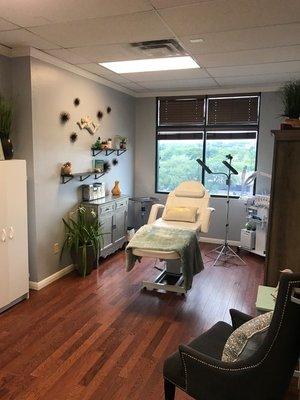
(245, 42)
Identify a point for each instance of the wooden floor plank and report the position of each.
(102, 338)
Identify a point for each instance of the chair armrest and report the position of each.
(238, 318)
(154, 212)
(211, 379)
(206, 219)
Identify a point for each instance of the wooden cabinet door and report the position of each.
(14, 197)
(106, 222)
(120, 222)
(4, 265)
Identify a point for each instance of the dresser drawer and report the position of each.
(106, 208)
(121, 203)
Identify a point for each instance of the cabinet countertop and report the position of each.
(106, 199)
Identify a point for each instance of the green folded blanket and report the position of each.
(183, 241)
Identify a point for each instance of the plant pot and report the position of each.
(7, 147)
(91, 260)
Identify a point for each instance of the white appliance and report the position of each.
(14, 275)
(247, 239)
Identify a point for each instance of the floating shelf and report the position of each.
(108, 152)
(81, 175)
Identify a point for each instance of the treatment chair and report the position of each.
(187, 194)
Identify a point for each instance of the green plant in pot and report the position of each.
(6, 116)
(84, 240)
(122, 141)
(290, 93)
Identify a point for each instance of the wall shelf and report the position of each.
(81, 175)
(108, 152)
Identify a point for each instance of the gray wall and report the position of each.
(145, 161)
(23, 142)
(53, 91)
(5, 76)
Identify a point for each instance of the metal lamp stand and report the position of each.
(225, 252)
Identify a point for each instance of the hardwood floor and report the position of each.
(102, 338)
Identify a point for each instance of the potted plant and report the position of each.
(5, 127)
(84, 240)
(122, 142)
(291, 101)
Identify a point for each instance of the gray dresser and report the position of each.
(112, 214)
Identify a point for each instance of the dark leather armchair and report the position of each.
(198, 370)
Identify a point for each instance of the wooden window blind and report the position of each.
(232, 111)
(182, 112)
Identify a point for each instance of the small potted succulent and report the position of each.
(84, 240)
(6, 116)
(97, 144)
(290, 93)
(122, 142)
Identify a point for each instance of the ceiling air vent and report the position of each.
(159, 48)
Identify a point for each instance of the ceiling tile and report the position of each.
(257, 69)
(112, 52)
(67, 56)
(21, 37)
(201, 83)
(257, 79)
(225, 15)
(245, 39)
(120, 29)
(35, 13)
(248, 57)
(158, 4)
(6, 26)
(167, 75)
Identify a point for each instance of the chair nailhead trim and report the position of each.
(243, 368)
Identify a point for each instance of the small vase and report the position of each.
(8, 149)
(116, 191)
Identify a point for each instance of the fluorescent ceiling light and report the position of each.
(151, 64)
(198, 40)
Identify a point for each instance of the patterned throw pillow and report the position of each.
(246, 339)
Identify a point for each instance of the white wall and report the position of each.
(53, 91)
(145, 160)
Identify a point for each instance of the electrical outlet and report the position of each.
(55, 248)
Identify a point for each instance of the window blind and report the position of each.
(232, 111)
(175, 111)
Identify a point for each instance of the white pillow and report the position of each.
(246, 339)
(183, 214)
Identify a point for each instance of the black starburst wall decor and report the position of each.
(64, 117)
(99, 114)
(106, 166)
(115, 162)
(73, 137)
(76, 102)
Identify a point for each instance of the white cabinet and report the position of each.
(112, 214)
(14, 275)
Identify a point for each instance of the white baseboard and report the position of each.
(41, 284)
(219, 241)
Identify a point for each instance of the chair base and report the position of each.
(170, 279)
(169, 390)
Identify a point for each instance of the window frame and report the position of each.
(205, 128)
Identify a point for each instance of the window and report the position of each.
(208, 128)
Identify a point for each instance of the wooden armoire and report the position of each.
(283, 243)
